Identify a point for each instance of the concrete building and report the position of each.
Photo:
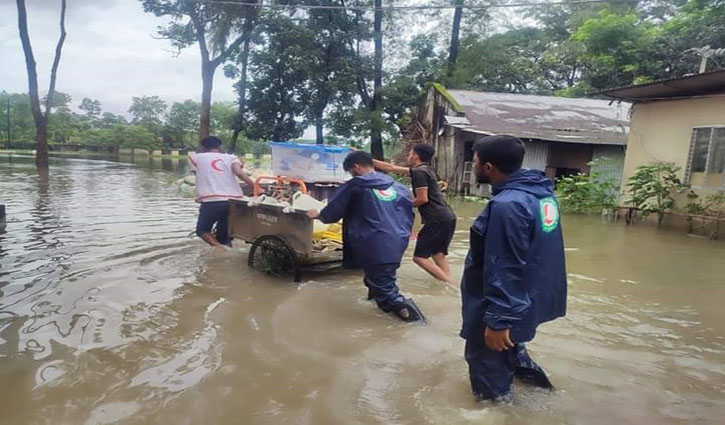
(681, 120)
(562, 135)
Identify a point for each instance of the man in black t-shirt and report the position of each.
(439, 221)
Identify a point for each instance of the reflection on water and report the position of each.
(110, 313)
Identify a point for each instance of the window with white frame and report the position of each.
(706, 166)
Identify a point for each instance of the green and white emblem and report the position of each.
(549, 214)
(388, 194)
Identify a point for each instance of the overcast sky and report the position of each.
(108, 55)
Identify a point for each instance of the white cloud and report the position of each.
(109, 54)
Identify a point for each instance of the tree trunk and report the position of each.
(376, 138)
(41, 136)
(7, 144)
(453, 51)
(41, 121)
(207, 84)
(239, 124)
(319, 125)
(41, 157)
(56, 62)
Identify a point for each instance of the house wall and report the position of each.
(661, 131)
(447, 141)
(536, 155)
(543, 155)
(572, 156)
(447, 158)
(612, 163)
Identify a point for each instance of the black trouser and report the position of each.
(492, 372)
(382, 282)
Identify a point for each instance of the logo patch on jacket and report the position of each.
(549, 214)
(388, 194)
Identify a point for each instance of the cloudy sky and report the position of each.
(109, 54)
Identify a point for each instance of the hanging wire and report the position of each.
(405, 8)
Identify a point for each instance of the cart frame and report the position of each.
(279, 234)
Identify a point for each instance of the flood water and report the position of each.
(111, 313)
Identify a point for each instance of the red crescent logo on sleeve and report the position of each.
(218, 167)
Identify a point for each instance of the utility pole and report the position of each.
(705, 54)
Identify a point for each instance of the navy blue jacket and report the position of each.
(514, 276)
(377, 215)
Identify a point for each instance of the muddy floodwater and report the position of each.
(110, 313)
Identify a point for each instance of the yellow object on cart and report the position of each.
(333, 232)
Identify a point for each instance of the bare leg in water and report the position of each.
(442, 262)
(212, 240)
(434, 269)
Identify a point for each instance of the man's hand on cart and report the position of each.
(313, 214)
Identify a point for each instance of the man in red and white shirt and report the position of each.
(216, 183)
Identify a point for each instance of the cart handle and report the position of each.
(280, 180)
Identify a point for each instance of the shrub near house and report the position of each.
(588, 194)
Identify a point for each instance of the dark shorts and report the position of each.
(211, 213)
(434, 238)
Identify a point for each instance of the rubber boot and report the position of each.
(529, 372)
(408, 311)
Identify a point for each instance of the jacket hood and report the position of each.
(374, 180)
(534, 182)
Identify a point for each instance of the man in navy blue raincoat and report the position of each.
(377, 215)
(514, 276)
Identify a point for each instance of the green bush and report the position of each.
(587, 194)
(651, 189)
(25, 145)
(711, 206)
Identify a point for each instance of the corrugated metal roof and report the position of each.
(456, 120)
(544, 117)
(689, 85)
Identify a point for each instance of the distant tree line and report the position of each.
(153, 124)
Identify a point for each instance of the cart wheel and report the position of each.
(273, 255)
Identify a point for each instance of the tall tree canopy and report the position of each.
(218, 28)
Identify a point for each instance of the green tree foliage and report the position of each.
(576, 50)
(94, 127)
(148, 111)
(332, 63)
(125, 136)
(22, 128)
(182, 122)
(278, 93)
(218, 28)
(108, 120)
(505, 62)
(223, 116)
(617, 49)
(91, 108)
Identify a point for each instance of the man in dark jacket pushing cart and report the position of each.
(377, 215)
